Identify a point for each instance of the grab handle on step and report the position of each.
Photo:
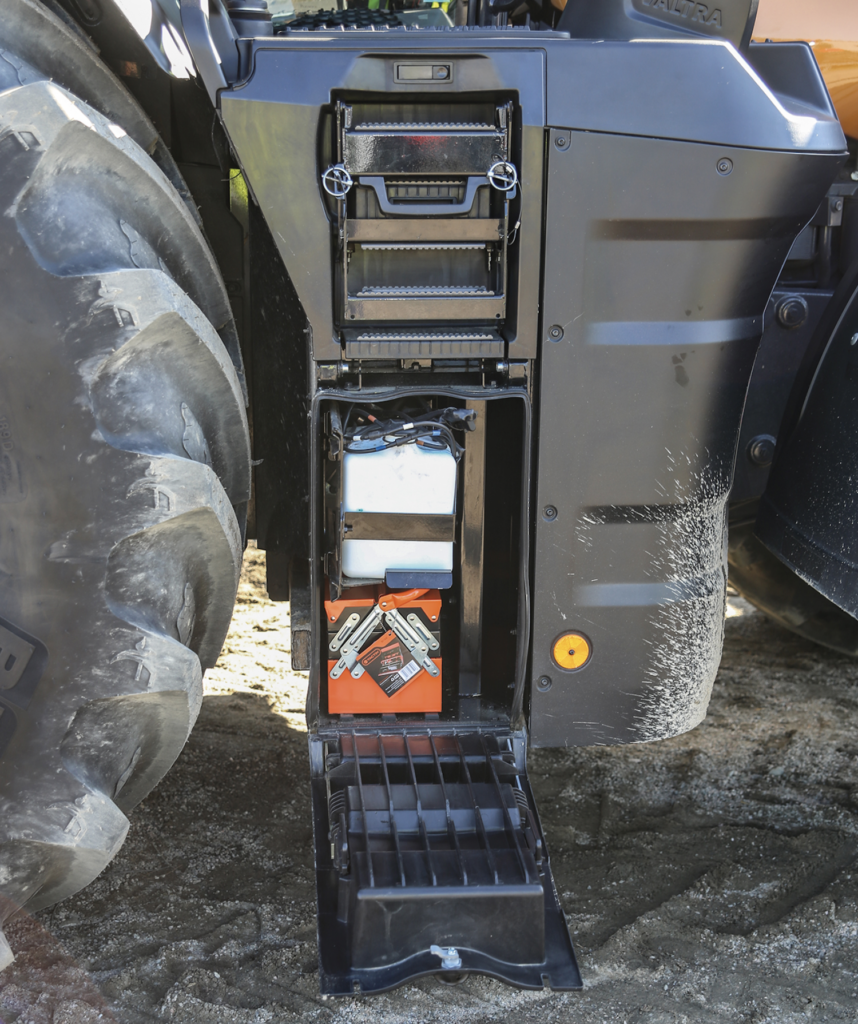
(423, 209)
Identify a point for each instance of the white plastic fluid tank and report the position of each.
(406, 479)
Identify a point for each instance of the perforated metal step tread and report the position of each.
(401, 147)
(425, 344)
(430, 858)
(425, 126)
(415, 246)
(378, 291)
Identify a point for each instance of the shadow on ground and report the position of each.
(710, 878)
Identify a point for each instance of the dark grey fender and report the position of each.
(667, 223)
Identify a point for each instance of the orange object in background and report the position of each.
(365, 696)
(838, 62)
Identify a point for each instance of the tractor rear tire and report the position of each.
(761, 578)
(124, 463)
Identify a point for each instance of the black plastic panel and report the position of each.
(430, 858)
(702, 91)
(730, 20)
(666, 222)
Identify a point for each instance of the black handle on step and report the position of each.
(424, 209)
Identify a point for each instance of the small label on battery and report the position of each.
(389, 663)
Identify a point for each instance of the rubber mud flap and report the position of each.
(124, 470)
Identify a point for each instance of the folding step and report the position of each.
(415, 246)
(413, 230)
(429, 148)
(423, 344)
(424, 215)
(416, 303)
(430, 859)
(416, 291)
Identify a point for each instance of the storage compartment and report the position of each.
(424, 582)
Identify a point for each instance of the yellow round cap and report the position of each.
(571, 651)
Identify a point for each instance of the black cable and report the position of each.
(406, 434)
(429, 425)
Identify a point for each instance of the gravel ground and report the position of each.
(709, 878)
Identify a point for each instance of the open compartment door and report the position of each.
(430, 859)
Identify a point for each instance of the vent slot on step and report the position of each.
(430, 858)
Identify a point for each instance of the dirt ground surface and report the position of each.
(709, 878)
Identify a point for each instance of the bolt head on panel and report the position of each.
(792, 311)
(761, 449)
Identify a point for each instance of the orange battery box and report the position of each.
(391, 681)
